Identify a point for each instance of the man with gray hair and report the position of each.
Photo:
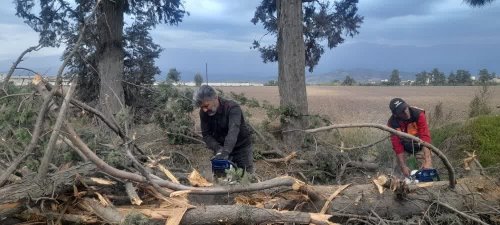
(224, 129)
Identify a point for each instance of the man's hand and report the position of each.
(406, 171)
(221, 154)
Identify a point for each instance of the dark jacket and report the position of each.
(226, 129)
(416, 126)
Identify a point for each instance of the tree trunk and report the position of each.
(291, 61)
(110, 55)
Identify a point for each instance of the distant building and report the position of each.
(26, 80)
(221, 84)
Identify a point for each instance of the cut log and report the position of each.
(232, 214)
(14, 196)
(468, 195)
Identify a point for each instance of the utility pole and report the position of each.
(206, 72)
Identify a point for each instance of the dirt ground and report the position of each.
(370, 104)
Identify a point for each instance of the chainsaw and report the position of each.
(423, 175)
(219, 168)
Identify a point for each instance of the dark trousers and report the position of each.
(243, 158)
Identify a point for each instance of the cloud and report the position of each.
(188, 39)
(14, 39)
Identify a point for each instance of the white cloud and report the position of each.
(187, 39)
(14, 39)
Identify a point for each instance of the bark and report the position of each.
(14, 197)
(110, 55)
(291, 69)
(213, 214)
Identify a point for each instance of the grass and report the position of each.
(484, 133)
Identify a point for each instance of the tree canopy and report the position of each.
(322, 21)
(110, 48)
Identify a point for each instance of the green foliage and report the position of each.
(238, 175)
(18, 115)
(437, 78)
(479, 104)
(136, 218)
(452, 79)
(271, 83)
(463, 77)
(174, 106)
(348, 81)
(323, 22)
(198, 79)
(243, 100)
(173, 75)
(485, 131)
(481, 134)
(59, 21)
(484, 77)
(394, 80)
(139, 67)
(422, 78)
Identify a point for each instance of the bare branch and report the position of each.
(14, 65)
(47, 157)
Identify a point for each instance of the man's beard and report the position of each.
(212, 111)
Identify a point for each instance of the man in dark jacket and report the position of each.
(410, 120)
(224, 129)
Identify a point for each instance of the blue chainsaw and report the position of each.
(424, 175)
(219, 168)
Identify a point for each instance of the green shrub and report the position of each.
(481, 134)
(485, 131)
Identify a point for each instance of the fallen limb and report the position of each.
(15, 197)
(418, 198)
(49, 150)
(75, 139)
(461, 213)
(446, 162)
(232, 214)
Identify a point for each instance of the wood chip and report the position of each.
(102, 181)
(168, 174)
(196, 180)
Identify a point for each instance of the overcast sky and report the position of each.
(409, 35)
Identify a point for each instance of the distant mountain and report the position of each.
(360, 75)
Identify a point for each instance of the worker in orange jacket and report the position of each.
(410, 120)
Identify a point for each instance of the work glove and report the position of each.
(221, 154)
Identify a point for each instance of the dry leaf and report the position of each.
(196, 180)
